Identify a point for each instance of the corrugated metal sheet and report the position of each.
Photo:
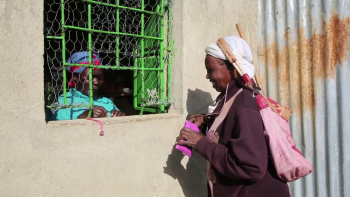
(304, 55)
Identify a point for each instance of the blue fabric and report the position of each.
(81, 58)
(77, 98)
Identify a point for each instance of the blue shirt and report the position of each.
(74, 97)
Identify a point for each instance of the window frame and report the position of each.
(164, 13)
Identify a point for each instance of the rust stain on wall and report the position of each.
(306, 59)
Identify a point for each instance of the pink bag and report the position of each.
(185, 149)
(288, 160)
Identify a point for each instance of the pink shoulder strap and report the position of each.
(224, 111)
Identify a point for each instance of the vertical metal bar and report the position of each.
(142, 52)
(117, 30)
(170, 41)
(63, 55)
(161, 73)
(90, 60)
(136, 63)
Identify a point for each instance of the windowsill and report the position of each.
(125, 119)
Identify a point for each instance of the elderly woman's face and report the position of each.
(218, 73)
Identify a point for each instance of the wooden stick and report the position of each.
(257, 78)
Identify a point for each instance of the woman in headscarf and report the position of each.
(237, 150)
(79, 91)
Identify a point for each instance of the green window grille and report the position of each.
(132, 35)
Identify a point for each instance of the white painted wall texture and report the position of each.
(69, 158)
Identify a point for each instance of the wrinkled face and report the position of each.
(218, 72)
(82, 80)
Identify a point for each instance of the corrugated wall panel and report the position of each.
(304, 55)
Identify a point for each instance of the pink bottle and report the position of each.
(185, 149)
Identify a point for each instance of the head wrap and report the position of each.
(239, 48)
(81, 58)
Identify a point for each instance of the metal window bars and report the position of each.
(127, 34)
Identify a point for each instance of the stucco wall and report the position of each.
(203, 23)
(69, 158)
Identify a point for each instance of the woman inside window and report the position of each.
(79, 91)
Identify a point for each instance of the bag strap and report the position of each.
(224, 111)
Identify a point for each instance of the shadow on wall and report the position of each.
(192, 179)
(198, 101)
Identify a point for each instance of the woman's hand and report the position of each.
(189, 136)
(99, 112)
(197, 119)
(116, 113)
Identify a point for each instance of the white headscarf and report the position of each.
(239, 48)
